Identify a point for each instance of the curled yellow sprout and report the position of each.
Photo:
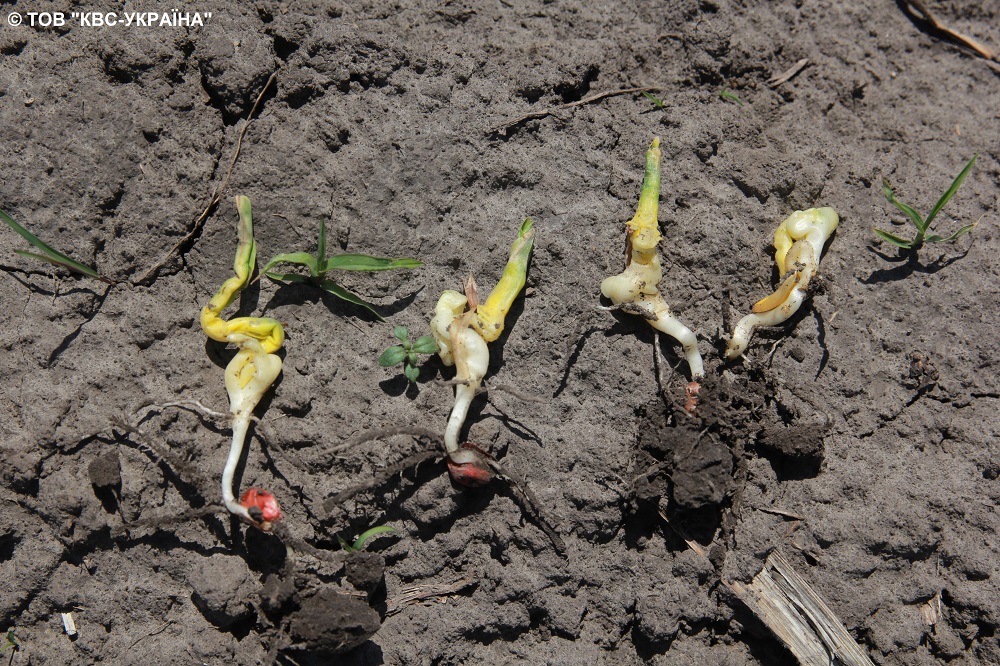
(638, 284)
(255, 366)
(798, 244)
(462, 336)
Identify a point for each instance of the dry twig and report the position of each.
(789, 73)
(781, 512)
(217, 194)
(918, 9)
(696, 547)
(334, 501)
(552, 110)
(798, 616)
(382, 433)
(417, 593)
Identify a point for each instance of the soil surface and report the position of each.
(861, 438)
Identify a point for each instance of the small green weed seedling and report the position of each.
(657, 102)
(50, 254)
(359, 543)
(407, 352)
(319, 265)
(922, 224)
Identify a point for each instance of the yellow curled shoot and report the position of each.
(798, 246)
(268, 331)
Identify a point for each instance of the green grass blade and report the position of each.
(299, 258)
(914, 216)
(727, 95)
(343, 294)
(53, 256)
(48, 260)
(955, 236)
(657, 102)
(321, 247)
(286, 277)
(360, 542)
(895, 240)
(363, 262)
(955, 184)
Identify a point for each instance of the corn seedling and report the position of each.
(251, 372)
(407, 351)
(922, 224)
(360, 542)
(462, 326)
(319, 265)
(50, 254)
(798, 245)
(635, 288)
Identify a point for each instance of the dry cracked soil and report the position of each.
(860, 439)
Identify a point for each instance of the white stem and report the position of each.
(463, 399)
(745, 328)
(241, 422)
(472, 359)
(689, 343)
(667, 323)
(638, 284)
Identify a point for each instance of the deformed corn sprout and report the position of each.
(637, 286)
(251, 372)
(462, 335)
(798, 244)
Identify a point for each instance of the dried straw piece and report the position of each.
(798, 616)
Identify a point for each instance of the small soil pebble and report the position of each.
(797, 442)
(106, 470)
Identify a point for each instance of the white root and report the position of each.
(670, 325)
(746, 326)
(240, 426)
